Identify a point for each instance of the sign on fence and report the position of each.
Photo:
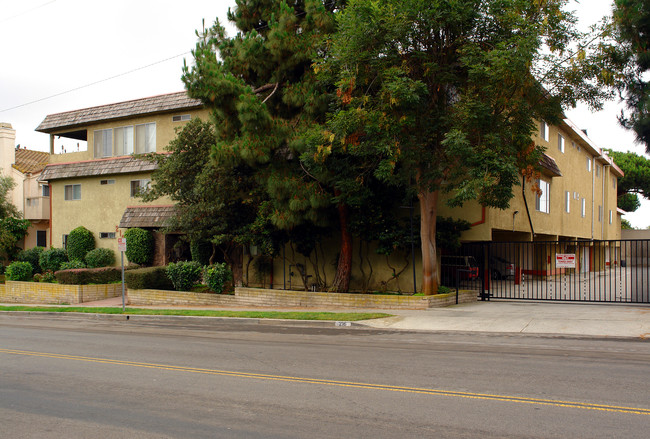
(565, 260)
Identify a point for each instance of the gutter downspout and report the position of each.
(593, 193)
(602, 223)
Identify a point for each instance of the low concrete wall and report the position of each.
(259, 297)
(42, 292)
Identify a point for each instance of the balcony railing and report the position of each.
(37, 208)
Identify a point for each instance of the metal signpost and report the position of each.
(121, 247)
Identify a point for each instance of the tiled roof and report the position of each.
(146, 216)
(155, 104)
(549, 164)
(119, 165)
(31, 162)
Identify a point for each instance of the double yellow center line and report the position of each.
(322, 382)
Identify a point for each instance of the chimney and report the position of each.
(7, 147)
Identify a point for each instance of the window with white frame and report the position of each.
(139, 186)
(45, 190)
(543, 130)
(567, 201)
(124, 140)
(542, 200)
(583, 209)
(560, 143)
(180, 117)
(597, 170)
(588, 164)
(145, 138)
(103, 143)
(600, 214)
(613, 182)
(107, 235)
(105, 182)
(72, 192)
(611, 216)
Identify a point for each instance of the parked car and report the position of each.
(501, 268)
(465, 267)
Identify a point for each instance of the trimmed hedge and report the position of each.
(70, 265)
(184, 275)
(154, 278)
(31, 255)
(51, 260)
(84, 276)
(139, 246)
(19, 271)
(216, 276)
(100, 257)
(80, 242)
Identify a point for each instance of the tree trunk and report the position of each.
(428, 210)
(341, 282)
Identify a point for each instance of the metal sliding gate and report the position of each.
(583, 271)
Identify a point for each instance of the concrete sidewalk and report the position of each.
(570, 319)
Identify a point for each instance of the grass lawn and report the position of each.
(291, 315)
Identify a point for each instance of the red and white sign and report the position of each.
(121, 244)
(565, 260)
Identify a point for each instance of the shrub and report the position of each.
(19, 271)
(51, 260)
(31, 255)
(216, 276)
(80, 241)
(184, 274)
(37, 277)
(84, 276)
(48, 276)
(139, 246)
(201, 251)
(69, 265)
(154, 278)
(100, 257)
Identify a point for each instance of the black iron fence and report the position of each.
(584, 271)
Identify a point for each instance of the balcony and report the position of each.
(37, 208)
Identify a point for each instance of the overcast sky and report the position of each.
(53, 49)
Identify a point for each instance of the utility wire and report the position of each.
(25, 12)
(95, 83)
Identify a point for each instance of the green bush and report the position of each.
(201, 251)
(69, 265)
(84, 276)
(37, 277)
(216, 276)
(154, 278)
(184, 275)
(31, 255)
(48, 276)
(19, 271)
(139, 246)
(100, 257)
(51, 260)
(80, 241)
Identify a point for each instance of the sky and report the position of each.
(62, 55)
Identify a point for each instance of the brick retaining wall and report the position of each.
(47, 293)
(259, 297)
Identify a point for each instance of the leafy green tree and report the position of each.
(625, 225)
(265, 100)
(635, 181)
(445, 94)
(631, 20)
(12, 227)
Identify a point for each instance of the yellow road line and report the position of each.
(438, 392)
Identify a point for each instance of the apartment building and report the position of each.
(96, 187)
(30, 197)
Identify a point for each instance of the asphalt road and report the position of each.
(67, 377)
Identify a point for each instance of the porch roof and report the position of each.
(146, 216)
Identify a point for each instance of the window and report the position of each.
(72, 192)
(588, 164)
(103, 143)
(124, 140)
(567, 201)
(542, 202)
(180, 117)
(138, 186)
(46, 190)
(145, 138)
(583, 211)
(560, 143)
(600, 214)
(64, 241)
(613, 182)
(597, 171)
(107, 235)
(543, 131)
(41, 238)
(106, 182)
(610, 216)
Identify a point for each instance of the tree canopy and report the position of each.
(636, 180)
(12, 227)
